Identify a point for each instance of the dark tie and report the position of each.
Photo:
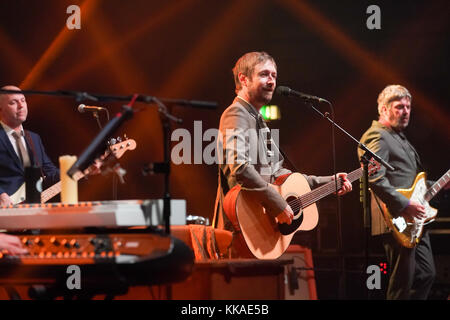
(268, 141)
(23, 153)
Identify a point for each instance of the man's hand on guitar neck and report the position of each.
(413, 210)
(94, 169)
(5, 200)
(286, 216)
(346, 184)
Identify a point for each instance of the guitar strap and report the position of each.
(261, 124)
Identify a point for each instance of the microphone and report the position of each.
(285, 91)
(97, 146)
(82, 108)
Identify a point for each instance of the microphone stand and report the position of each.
(163, 167)
(365, 200)
(95, 114)
(80, 96)
(98, 144)
(366, 196)
(342, 277)
(114, 178)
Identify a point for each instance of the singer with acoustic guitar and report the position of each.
(250, 162)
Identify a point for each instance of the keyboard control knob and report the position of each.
(55, 241)
(74, 243)
(38, 241)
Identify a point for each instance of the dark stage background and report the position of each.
(186, 49)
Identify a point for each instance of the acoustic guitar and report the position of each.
(260, 235)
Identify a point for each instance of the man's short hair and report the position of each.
(246, 65)
(392, 93)
(9, 87)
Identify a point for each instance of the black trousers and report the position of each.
(412, 271)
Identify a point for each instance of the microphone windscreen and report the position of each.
(283, 91)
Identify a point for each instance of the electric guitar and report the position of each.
(261, 236)
(409, 231)
(116, 150)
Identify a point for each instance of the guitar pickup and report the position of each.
(399, 223)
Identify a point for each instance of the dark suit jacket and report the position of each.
(399, 153)
(238, 164)
(12, 174)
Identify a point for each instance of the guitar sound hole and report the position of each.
(295, 205)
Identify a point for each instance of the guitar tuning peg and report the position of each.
(125, 137)
(112, 141)
(119, 139)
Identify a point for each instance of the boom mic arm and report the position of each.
(97, 146)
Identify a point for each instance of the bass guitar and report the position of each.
(116, 150)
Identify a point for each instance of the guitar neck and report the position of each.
(437, 186)
(52, 191)
(327, 189)
(116, 150)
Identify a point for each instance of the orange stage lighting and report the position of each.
(361, 58)
(55, 48)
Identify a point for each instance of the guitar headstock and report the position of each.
(116, 149)
(373, 167)
(119, 148)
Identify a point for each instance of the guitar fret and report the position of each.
(437, 186)
(117, 150)
(326, 189)
(442, 182)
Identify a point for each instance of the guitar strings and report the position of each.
(324, 190)
(320, 192)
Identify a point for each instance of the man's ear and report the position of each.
(242, 79)
(384, 110)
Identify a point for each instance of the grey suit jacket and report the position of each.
(249, 156)
(399, 153)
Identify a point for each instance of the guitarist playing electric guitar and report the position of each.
(249, 162)
(410, 258)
